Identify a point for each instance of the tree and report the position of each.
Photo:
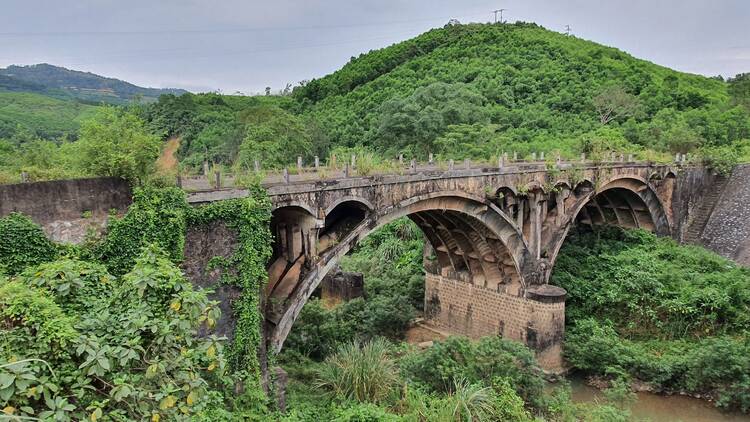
(116, 143)
(614, 102)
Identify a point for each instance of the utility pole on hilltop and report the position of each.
(501, 14)
(567, 29)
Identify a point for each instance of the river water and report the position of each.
(659, 408)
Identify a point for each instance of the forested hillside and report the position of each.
(72, 84)
(473, 91)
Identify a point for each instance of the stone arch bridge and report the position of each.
(493, 234)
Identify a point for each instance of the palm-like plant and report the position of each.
(466, 403)
(362, 372)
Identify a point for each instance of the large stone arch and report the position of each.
(461, 229)
(627, 201)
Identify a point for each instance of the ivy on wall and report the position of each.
(23, 244)
(246, 268)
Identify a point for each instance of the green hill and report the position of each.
(43, 116)
(84, 86)
(477, 89)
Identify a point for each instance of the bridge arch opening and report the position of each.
(629, 203)
(471, 242)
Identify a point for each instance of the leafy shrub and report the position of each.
(24, 244)
(131, 353)
(442, 365)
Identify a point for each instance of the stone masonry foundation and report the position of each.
(463, 308)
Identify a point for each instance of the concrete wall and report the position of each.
(475, 311)
(728, 230)
(59, 206)
(692, 185)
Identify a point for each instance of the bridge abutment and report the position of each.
(537, 320)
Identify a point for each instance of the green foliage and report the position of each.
(360, 372)
(644, 307)
(274, 137)
(115, 143)
(650, 287)
(24, 244)
(123, 350)
(40, 115)
(156, 216)
(442, 365)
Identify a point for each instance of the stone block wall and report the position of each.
(728, 230)
(474, 311)
(67, 209)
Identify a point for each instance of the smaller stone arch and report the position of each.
(349, 198)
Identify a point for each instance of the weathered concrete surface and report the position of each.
(341, 286)
(67, 209)
(202, 244)
(728, 230)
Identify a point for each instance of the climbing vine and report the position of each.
(23, 244)
(246, 268)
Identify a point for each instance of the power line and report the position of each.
(225, 30)
(567, 29)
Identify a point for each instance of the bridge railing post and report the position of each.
(24, 177)
(515, 156)
(451, 164)
(317, 163)
(354, 161)
(346, 170)
(630, 158)
(299, 165)
(217, 177)
(179, 180)
(256, 166)
(533, 156)
(430, 159)
(583, 157)
(413, 165)
(286, 175)
(467, 163)
(541, 156)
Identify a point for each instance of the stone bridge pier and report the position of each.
(494, 234)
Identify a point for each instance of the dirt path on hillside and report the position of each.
(167, 161)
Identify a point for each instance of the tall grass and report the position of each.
(361, 372)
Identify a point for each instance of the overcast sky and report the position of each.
(246, 45)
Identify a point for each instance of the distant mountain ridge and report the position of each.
(59, 82)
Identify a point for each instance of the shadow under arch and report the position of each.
(471, 238)
(628, 202)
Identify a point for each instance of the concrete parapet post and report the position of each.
(24, 177)
(354, 161)
(179, 180)
(622, 158)
(256, 166)
(451, 165)
(515, 156)
(286, 175)
(677, 158)
(630, 158)
(317, 163)
(401, 159)
(533, 156)
(413, 165)
(346, 170)
(500, 162)
(217, 177)
(583, 157)
(467, 163)
(541, 155)
(333, 161)
(299, 165)
(429, 161)
(205, 168)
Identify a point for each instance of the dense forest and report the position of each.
(109, 329)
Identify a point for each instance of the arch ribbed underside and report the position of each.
(618, 206)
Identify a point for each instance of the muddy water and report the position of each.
(658, 408)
